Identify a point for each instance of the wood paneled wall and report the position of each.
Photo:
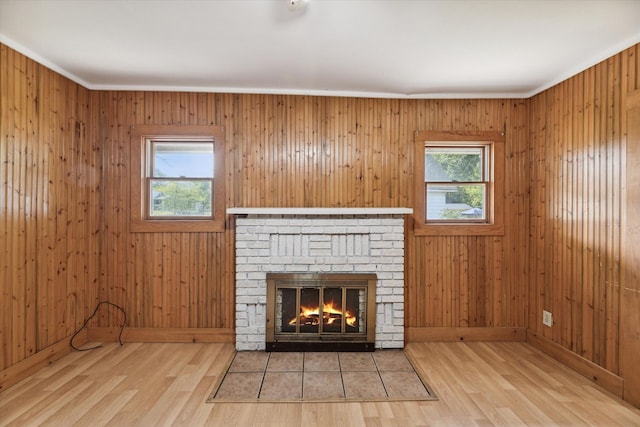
(578, 143)
(73, 203)
(65, 159)
(49, 207)
(311, 151)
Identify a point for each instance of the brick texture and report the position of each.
(337, 244)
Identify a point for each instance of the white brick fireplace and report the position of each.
(319, 240)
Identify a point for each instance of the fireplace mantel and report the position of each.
(320, 211)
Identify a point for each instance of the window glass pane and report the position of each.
(175, 198)
(182, 159)
(455, 202)
(450, 164)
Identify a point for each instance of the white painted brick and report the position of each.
(245, 237)
(370, 221)
(336, 260)
(315, 230)
(388, 315)
(303, 260)
(257, 244)
(253, 292)
(243, 299)
(393, 236)
(257, 260)
(241, 260)
(320, 245)
(320, 268)
(357, 260)
(383, 291)
(348, 241)
(281, 260)
(336, 268)
(289, 229)
(380, 244)
(391, 267)
(394, 252)
(359, 229)
(296, 268)
(256, 276)
(319, 252)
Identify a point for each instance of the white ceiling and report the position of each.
(368, 48)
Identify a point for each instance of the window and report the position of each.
(459, 183)
(177, 179)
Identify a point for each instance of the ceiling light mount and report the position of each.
(296, 5)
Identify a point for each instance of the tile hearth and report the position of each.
(297, 376)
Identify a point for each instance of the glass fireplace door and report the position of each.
(320, 307)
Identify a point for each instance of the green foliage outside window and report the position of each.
(464, 168)
(181, 198)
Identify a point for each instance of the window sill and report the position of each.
(458, 229)
(177, 226)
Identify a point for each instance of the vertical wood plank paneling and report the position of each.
(578, 132)
(630, 303)
(70, 209)
(48, 206)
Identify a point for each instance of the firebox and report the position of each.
(321, 312)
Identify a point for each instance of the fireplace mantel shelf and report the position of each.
(320, 211)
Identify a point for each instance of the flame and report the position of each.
(310, 316)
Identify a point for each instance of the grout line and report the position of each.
(304, 357)
(379, 376)
(224, 376)
(344, 390)
(264, 373)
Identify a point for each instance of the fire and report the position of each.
(310, 316)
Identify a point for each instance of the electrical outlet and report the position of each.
(547, 318)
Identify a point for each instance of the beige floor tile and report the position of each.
(281, 385)
(263, 376)
(403, 384)
(322, 385)
(249, 361)
(363, 385)
(392, 360)
(285, 362)
(321, 362)
(245, 385)
(356, 362)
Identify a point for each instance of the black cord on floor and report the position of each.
(124, 322)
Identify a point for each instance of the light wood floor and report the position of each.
(167, 384)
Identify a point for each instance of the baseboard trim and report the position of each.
(21, 370)
(181, 335)
(465, 334)
(596, 373)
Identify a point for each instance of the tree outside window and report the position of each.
(459, 183)
(177, 179)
